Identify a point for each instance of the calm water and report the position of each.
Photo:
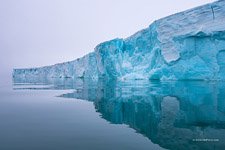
(111, 115)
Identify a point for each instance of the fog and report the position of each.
(43, 32)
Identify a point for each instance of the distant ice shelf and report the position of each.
(189, 45)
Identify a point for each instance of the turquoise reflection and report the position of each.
(175, 115)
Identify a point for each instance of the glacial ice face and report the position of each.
(84, 67)
(185, 46)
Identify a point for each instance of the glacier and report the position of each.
(189, 45)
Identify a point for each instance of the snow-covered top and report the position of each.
(182, 46)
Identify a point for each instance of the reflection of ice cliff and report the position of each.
(170, 114)
(185, 46)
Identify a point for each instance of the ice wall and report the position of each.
(185, 46)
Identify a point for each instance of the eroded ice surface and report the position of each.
(185, 46)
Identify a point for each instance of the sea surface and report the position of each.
(80, 114)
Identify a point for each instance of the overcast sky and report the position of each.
(43, 32)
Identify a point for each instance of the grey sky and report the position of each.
(43, 32)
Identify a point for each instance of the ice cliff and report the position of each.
(189, 45)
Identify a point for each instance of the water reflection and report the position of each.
(175, 115)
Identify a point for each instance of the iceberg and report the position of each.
(189, 45)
